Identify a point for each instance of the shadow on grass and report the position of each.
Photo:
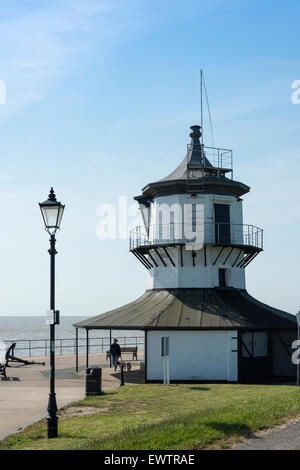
(200, 389)
(102, 394)
(165, 434)
(71, 437)
(131, 377)
(230, 429)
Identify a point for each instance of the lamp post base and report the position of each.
(52, 419)
(52, 427)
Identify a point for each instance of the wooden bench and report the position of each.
(126, 350)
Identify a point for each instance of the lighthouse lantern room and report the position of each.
(195, 248)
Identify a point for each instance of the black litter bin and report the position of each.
(93, 381)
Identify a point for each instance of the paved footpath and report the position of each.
(282, 437)
(24, 397)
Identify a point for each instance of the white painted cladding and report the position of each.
(205, 206)
(189, 276)
(194, 355)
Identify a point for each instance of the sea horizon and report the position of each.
(31, 333)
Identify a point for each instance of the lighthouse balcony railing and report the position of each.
(209, 233)
(218, 157)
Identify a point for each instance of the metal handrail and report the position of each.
(209, 233)
(28, 347)
(218, 157)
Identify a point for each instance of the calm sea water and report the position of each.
(23, 329)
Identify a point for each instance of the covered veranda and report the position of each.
(201, 312)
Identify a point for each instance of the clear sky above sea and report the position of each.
(99, 99)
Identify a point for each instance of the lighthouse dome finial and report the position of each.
(195, 132)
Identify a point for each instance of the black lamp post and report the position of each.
(298, 348)
(52, 212)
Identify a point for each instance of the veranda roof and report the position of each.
(217, 308)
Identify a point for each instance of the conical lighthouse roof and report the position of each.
(195, 157)
(196, 173)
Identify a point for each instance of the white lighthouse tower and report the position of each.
(193, 234)
(195, 247)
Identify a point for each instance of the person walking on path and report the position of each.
(115, 352)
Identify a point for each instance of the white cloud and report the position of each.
(42, 44)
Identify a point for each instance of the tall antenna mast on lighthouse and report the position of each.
(201, 103)
(202, 84)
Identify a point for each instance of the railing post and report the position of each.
(29, 346)
(76, 349)
(87, 349)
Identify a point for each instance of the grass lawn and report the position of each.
(159, 417)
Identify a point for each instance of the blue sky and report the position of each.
(100, 97)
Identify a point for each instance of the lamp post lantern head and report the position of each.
(52, 212)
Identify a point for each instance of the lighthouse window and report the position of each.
(255, 344)
(222, 224)
(172, 226)
(160, 225)
(194, 215)
(222, 277)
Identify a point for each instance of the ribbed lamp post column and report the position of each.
(52, 212)
(298, 347)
